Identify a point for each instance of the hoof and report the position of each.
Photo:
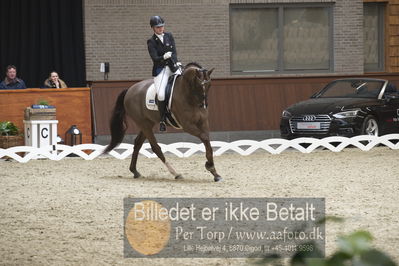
(137, 175)
(218, 179)
(178, 177)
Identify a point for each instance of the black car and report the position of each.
(345, 107)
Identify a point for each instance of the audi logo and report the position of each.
(309, 118)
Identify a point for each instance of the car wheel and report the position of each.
(370, 126)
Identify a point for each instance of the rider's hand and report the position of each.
(167, 55)
(178, 64)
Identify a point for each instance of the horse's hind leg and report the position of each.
(158, 151)
(138, 142)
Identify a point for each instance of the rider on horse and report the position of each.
(162, 49)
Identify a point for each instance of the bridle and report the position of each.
(203, 84)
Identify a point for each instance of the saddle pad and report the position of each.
(150, 102)
(150, 98)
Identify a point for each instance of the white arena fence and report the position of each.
(186, 149)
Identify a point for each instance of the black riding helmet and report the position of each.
(157, 21)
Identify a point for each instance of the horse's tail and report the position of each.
(118, 124)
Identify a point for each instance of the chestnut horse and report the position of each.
(189, 107)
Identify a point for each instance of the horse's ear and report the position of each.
(210, 72)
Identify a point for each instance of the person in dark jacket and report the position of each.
(11, 82)
(162, 49)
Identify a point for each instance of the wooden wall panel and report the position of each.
(391, 33)
(392, 38)
(104, 94)
(234, 104)
(255, 104)
(73, 107)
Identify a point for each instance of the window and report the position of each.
(373, 23)
(281, 39)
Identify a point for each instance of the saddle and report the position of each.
(151, 101)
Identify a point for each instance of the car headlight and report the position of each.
(346, 114)
(286, 114)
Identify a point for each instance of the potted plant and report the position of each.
(40, 111)
(42, 102)
(9, 135)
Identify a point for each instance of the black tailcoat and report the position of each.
(157, 49)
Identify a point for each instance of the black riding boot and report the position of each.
(162, 112)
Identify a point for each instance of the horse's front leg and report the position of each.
(209, 165)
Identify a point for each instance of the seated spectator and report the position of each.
(11, 82)
(54, 81)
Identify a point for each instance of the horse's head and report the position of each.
(199, 80)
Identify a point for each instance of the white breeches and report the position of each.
(161, 81)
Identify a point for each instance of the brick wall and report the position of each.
(116, 31)
(348, 37)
